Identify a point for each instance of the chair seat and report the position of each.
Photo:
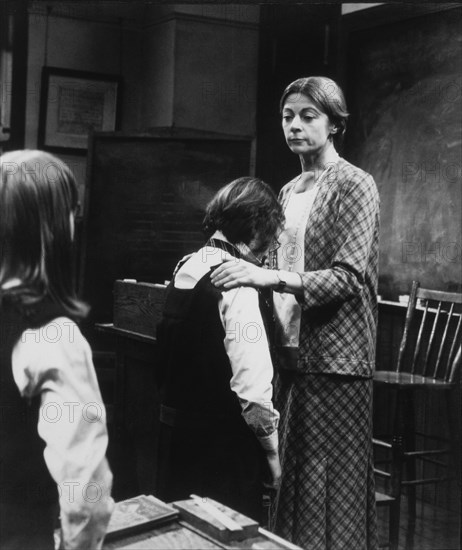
(407, 380)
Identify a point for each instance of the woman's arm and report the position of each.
(354, 233)
(72, 422)
(233, 274)
(353, 236)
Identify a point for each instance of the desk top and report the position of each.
(147, 523)
(171, 536)
(180, 535)
(111, 329)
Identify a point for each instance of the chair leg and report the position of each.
(454, 434)
(396, 471)
(395, 490)
(394, 525)
(409, 445)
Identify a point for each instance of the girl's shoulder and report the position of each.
(57, 336)
(54, 354)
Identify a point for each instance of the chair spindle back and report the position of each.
(437, 348)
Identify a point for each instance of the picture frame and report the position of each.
(74, 103)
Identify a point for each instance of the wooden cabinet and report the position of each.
(134, 432)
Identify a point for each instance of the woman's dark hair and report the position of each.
(324, 92)
(38, 193)
(244, 209)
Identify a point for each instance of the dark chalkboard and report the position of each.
(146, 199)
(405, 97)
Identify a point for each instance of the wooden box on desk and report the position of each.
(138, 306)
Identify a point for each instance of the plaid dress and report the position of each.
(326, 499)
(327, 495)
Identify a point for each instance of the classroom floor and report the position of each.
(435, 529)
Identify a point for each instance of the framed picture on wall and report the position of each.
(73, 103)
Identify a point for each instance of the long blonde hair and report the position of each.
(38, 193)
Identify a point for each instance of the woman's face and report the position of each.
(306, 128)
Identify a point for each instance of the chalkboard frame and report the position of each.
(379, 15)
(161, 135)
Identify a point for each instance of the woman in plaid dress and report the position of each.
(324, 274)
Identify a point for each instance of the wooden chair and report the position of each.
(391, 499)
(428, 361)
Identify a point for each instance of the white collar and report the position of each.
(244, 250)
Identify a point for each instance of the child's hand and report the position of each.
(275, 471)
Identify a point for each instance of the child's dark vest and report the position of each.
(25, 482)
(196, 370)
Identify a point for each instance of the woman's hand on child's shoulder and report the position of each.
(234, 273)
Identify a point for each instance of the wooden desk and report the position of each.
(136, 413)
(181, 535)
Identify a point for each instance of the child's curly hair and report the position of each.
(244, 209)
